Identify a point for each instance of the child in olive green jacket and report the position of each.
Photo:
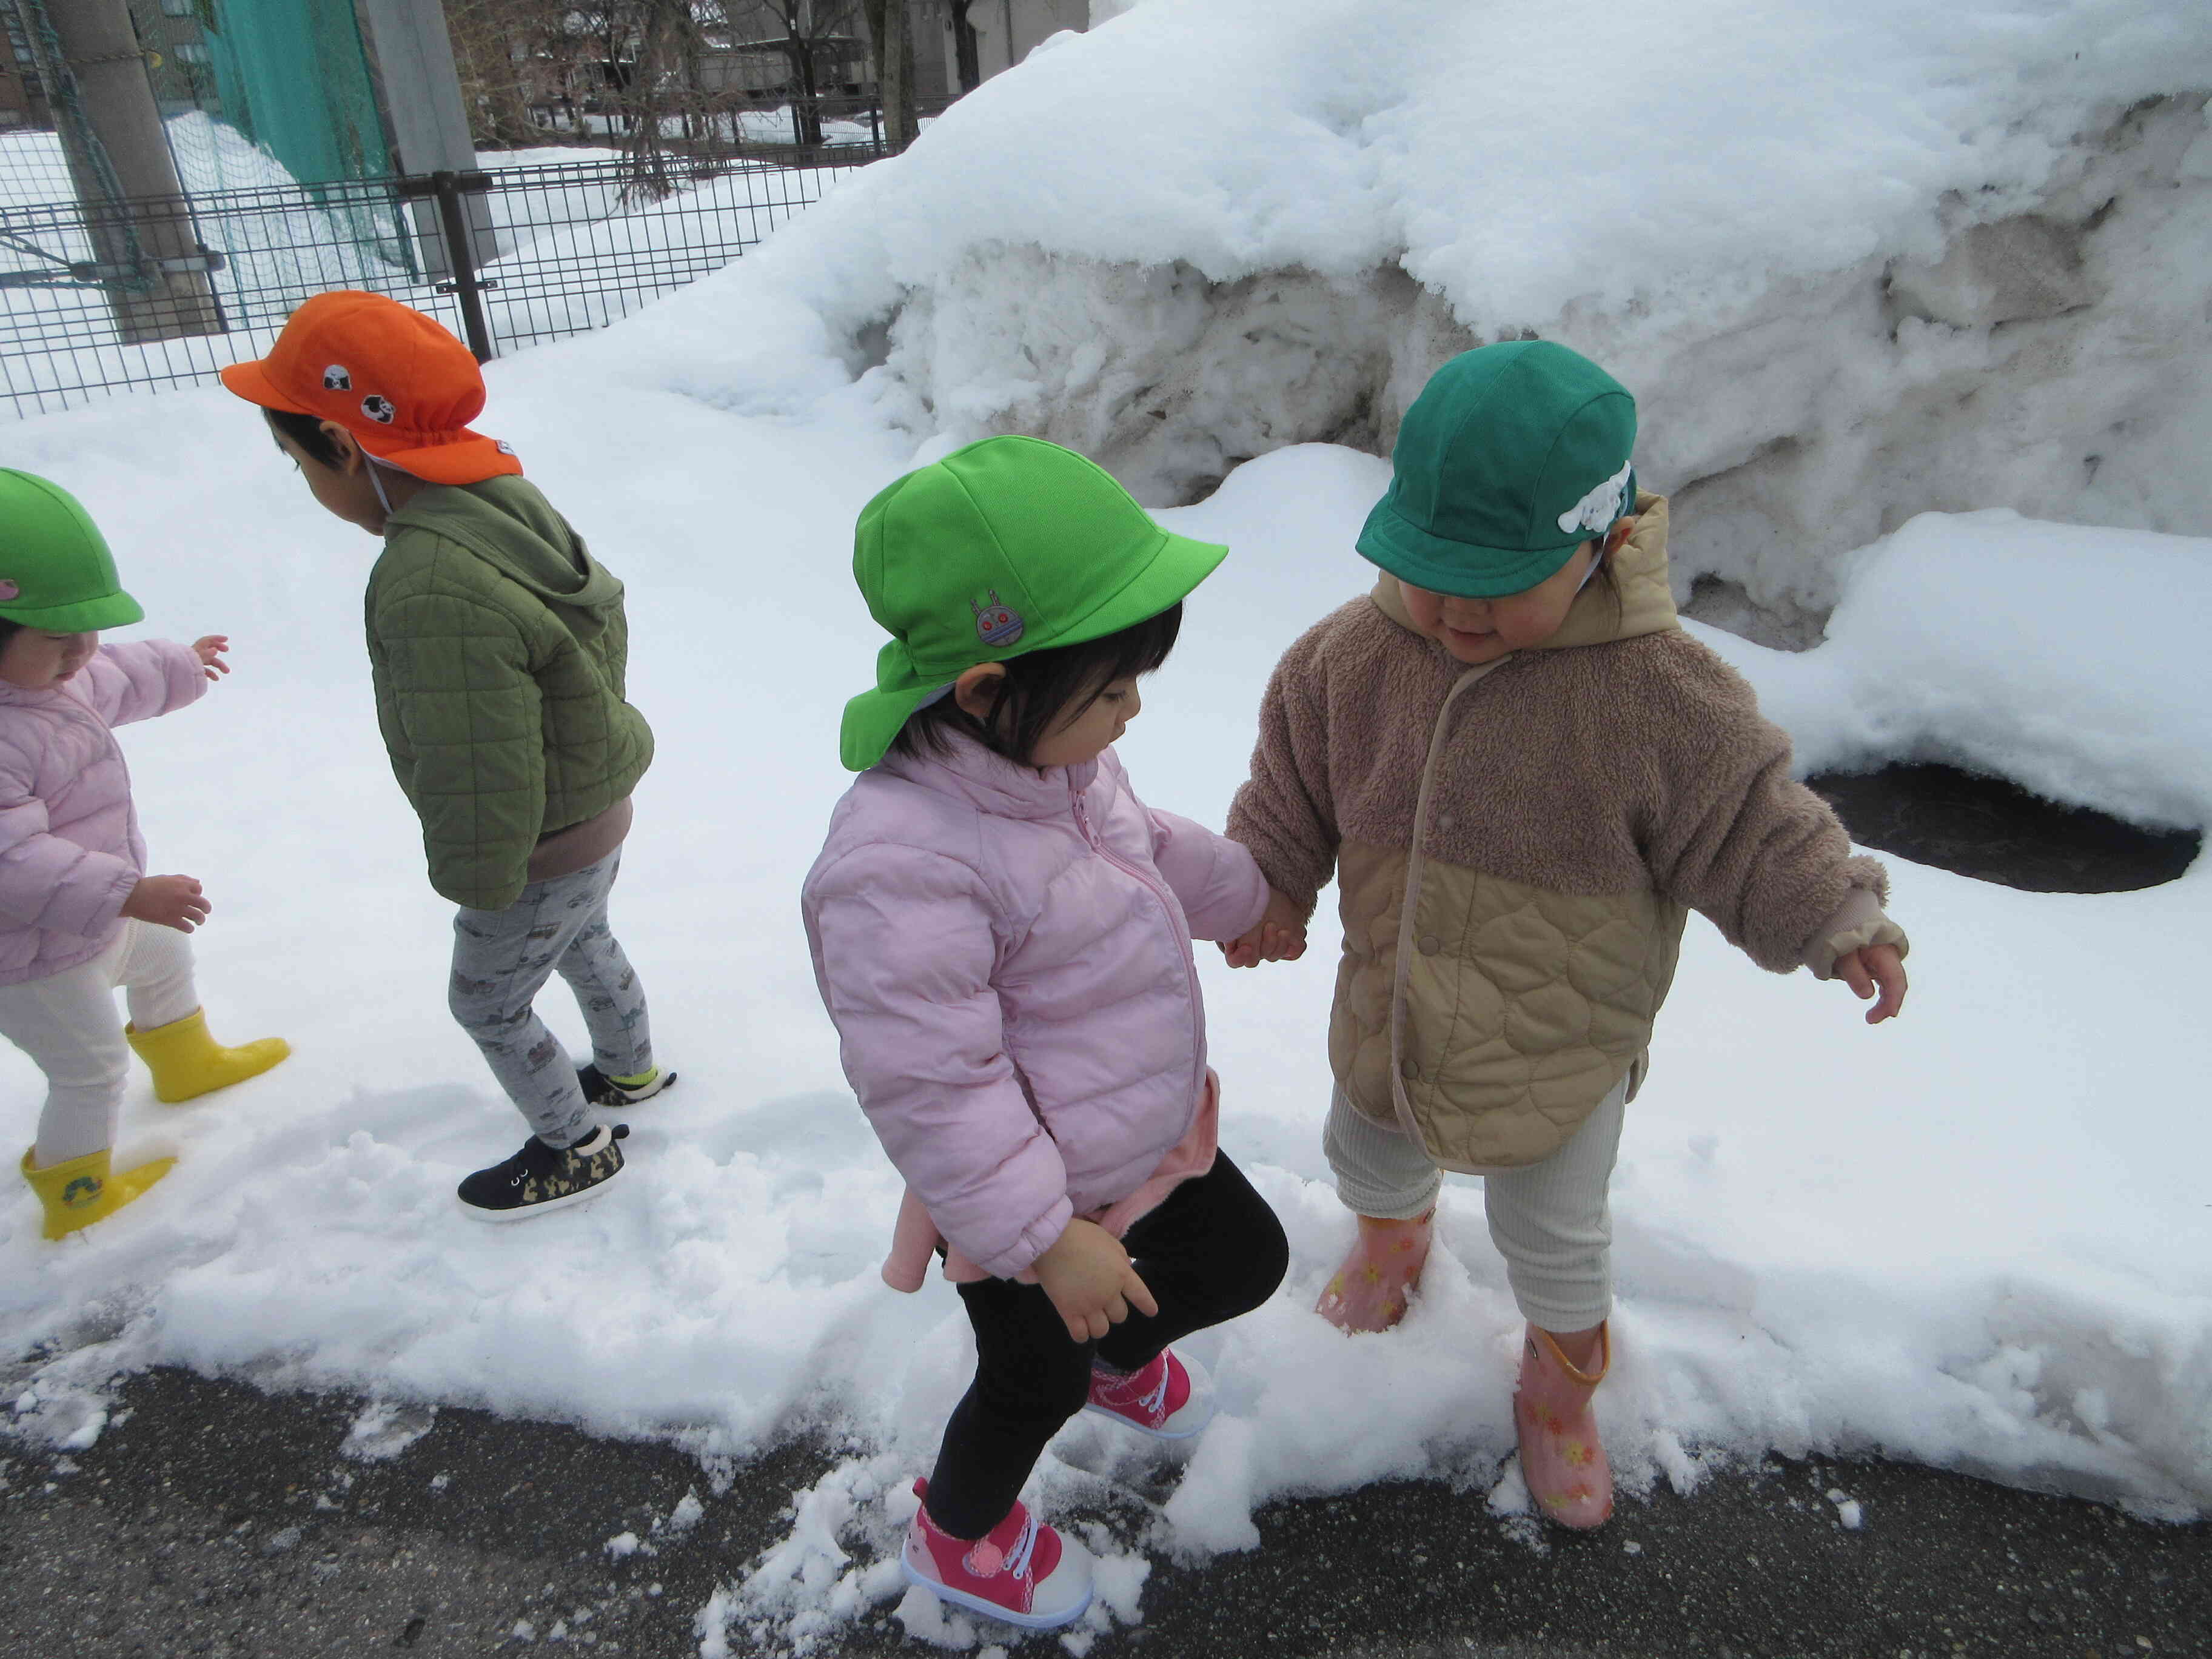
(497, 646)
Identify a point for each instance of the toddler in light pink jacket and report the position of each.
(1001, 931)
(79, 916)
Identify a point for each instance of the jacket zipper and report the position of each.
(1189, 962)
(1415, 861)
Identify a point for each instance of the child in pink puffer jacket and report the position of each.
(1002, 931)
(79, 916)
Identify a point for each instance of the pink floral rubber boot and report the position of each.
(1369, 1289)
(1021, 1570)
(1561, 1457)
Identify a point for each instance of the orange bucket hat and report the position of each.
(398, 381)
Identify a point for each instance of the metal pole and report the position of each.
(147, 255)
(449, 188)
(421, 93)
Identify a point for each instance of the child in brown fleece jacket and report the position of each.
(1523, 773)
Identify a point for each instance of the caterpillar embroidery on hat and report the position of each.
(996, 623)
(1596, 511)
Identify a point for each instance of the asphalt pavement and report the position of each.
(212, 1518)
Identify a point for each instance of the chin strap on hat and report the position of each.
(376, 482)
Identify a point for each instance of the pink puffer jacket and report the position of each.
(69, 848)
(1006, 954)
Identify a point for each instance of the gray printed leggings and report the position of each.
(502, 959)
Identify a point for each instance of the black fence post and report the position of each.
(448, 188)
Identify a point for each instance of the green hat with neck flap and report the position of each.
(56, 572)
(1005, 547)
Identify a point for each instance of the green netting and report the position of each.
(293, 78)
(246, 83)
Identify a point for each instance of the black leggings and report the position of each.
(1213, 1250)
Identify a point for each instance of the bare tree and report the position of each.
(810, 33)
(967, 56)
(508, 55)
(890, 32)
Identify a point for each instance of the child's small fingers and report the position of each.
(1141, 1294)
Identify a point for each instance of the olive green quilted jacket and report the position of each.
(498, 647)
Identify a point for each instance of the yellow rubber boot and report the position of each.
(81, 1190)
(186, 1061)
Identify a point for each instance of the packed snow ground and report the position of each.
(1977, 1237)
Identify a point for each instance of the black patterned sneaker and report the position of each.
(539, 1177)
(601, 1089)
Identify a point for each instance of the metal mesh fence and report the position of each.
(506, 256)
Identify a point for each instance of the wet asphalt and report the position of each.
(212, 1518)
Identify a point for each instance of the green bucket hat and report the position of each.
(1513, 456)
(1006, 546)
(56, 572)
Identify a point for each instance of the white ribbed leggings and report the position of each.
(66, 1023)
(1550, 1221)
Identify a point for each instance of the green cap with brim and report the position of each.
(56, 572)
(1005, 547)
(1513, 456)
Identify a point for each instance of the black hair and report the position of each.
(306, 432)
(9, 630)
(1040, 689)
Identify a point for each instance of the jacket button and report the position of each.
(1431, 945)
(1410, 1069)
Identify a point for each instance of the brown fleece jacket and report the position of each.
(1582, 794)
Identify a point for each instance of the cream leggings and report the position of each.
(66, 1023)
(1549, 1221)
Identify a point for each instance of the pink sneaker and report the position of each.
(1561, 1457)
(1020, 1571)
(1170, 1399)
(1368, 1290)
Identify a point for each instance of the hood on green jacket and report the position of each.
(510, 525)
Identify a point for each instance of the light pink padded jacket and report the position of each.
(1006, 954)
(69, 848)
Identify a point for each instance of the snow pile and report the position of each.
(1859, 259)
(2067, 660)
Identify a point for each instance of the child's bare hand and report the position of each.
(167, 902)
(1087, 1274)
(209, 648)
(1279, 937)
(1875, 967)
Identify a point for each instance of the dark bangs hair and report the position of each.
(306, 431)
(1040, 689)
(9, 630)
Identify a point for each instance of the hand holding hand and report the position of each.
(1872, 968)
(167, 901)
(1087, 1274)
(209, 648)
(1279, 937)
